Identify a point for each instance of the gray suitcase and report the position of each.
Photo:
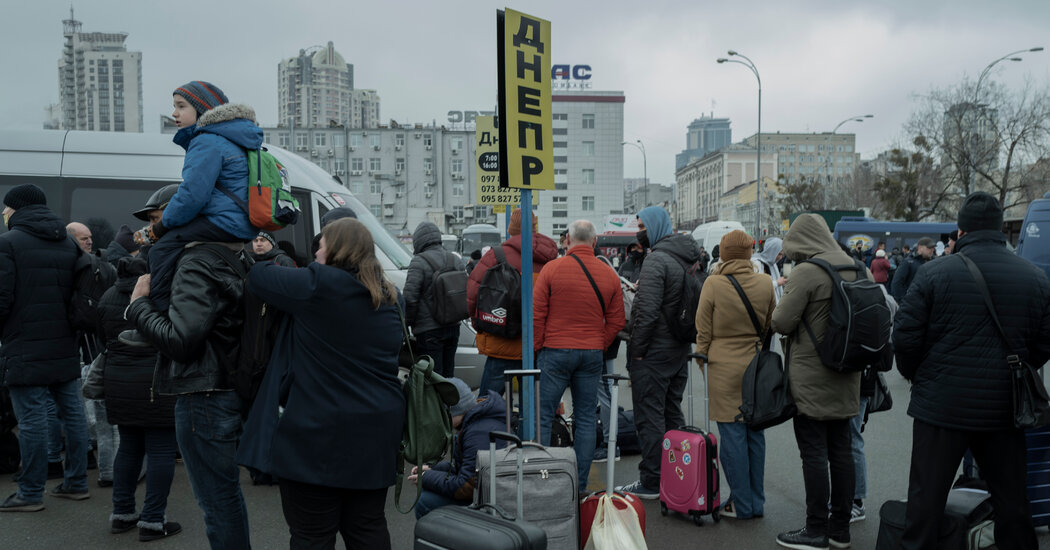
(550, 487)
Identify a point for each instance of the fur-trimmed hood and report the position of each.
(228, 111)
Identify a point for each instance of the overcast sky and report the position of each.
(820, 61)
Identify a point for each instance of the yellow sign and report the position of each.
(525, 104)
(489, 190)
(499, 209)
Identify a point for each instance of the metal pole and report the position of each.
(506, 220)
(827, 158)
(527, 363)
(758, 145)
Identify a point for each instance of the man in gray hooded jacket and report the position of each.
(657, 359)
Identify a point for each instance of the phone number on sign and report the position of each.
(509, 198)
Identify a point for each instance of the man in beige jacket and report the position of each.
(826, 399)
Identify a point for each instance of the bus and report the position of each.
(477, 237)
(1034, 243)
(869, 232)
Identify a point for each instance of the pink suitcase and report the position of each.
(689, 480)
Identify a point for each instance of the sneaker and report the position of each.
(840, 540)
(60, 491)
(105, 482)
(15, 504)
(857, 514)
(118, 526)
(133, 338)
(639, 490)
(602, 454)
(728, 510)
(802, 540)
(166, 529)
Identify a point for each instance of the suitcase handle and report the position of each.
(493, 436)
(615, 378)
(699, 357)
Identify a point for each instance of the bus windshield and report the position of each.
(894, 234)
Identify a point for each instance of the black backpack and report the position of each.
(765, 391)
(682, 323)
(498, 303)
(859, 323)
(258, 334)
(449, 291)
(92, 277)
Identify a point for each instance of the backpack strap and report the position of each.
(501, 257)
(228, 256)
(833, 274)
(241, 203)
(400, 478)
(747, 304)
(983, 287)
(594, 285)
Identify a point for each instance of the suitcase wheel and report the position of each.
(716, 515)
(663, 508)
(697, 519)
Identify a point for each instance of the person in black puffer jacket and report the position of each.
(434, 339)
(146, 421)
(263, 248)
(948, 347)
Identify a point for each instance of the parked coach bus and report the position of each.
(849, 231)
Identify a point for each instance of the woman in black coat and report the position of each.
(146, 422)
(328, 417)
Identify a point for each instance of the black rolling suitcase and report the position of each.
(1039, 474)
(485, 527)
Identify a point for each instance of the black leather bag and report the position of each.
(1031, 402)
(881, 400)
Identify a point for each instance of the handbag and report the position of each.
(766, 399)
(1031, 404)
(882, 400)
(93, 387)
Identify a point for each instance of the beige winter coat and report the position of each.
(820, 393)
(725, 333)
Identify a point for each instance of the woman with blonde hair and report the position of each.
(327, 421)
(727, 335)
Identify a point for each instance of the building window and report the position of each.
(428, 164)
(320, 139)
(561, 144)
(588, 176)
(559, 203)
(375, 140)
(588, 148)
(561, 186)
(458, 189)
(399, 140)
(457, 143)
(561, 131)
(481, 212)
(339, 165)
(558, 159)
(376, 210)
(428, 140)
(375, 164)
(282, 139)
(399, 164)
(339, 140)
(356, 187)
(355, 140)
(588, 204)
(559, 214)
(375, 187)
(559, 227)
(302, 140)
(588, 121)
(457, 213)
(457, 166)
(560, 116)
(357, 165)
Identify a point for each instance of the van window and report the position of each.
(1036, 244)
(108, 204)
(297, 240)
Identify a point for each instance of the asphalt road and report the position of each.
(67, 524)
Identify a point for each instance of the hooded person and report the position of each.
(657, 359)
(826, 399)
(725, 333)
(632, 264)
(433, 338)
(210, 204)
(769, 259)
(505, 353)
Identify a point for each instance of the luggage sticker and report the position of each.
(685, 446)
(679, 472)
(700, 501)
(686, 459)
(670, 456)
(667, 444)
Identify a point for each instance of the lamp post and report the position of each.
(758, 145)
(827, 164)
(1012, 56)
(645, 167)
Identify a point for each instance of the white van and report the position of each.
(709, 235)
(105, 176)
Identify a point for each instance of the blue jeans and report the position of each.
(30, 404)
(135, 444)
(208, 427)
(104, 434)
(54, 432)
(580, 369)
(492, 378)
(860, 466)
(605, 400)
(430, 501)
(743, 455)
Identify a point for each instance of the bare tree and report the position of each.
(913, 188)
(801, 196)
(987, 138)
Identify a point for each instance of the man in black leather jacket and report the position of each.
(200, 333)
(947, 345)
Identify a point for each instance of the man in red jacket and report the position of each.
(577, 309)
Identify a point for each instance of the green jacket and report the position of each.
(820, 393)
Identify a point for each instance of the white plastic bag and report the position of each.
(615, 529)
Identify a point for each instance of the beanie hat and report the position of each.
(880, 253)
(25, 195)
(515, 223)
(268, 237)
(126, 239)
(466, 398)
(204, 96)
(980, 211)
(736, 245)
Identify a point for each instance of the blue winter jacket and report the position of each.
(216, 159)
(490, 415)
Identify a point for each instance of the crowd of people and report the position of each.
(325, 421)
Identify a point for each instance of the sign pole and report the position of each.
(527, 354)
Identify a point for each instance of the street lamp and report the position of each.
(645, 166)
(827, 163)
(758, 145)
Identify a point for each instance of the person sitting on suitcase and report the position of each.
(451, 482)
